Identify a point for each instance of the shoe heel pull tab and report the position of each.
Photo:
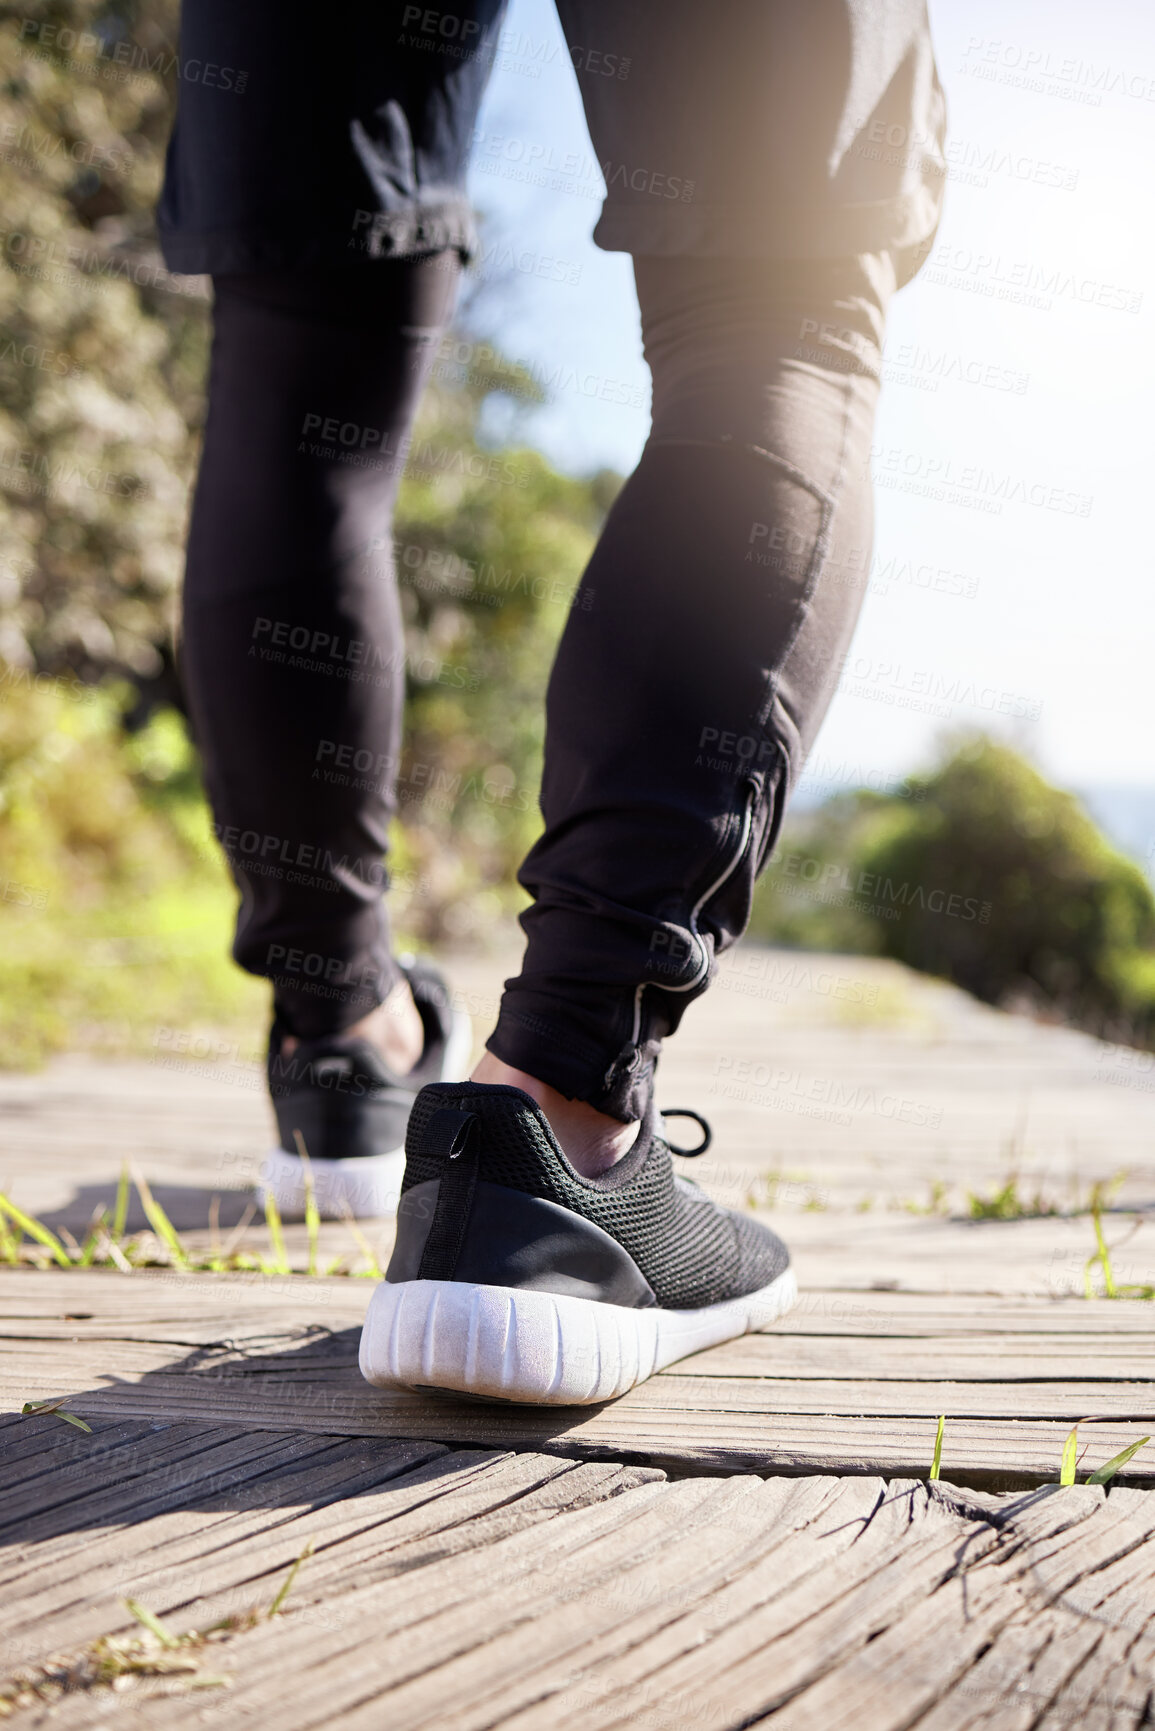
(453, 1138)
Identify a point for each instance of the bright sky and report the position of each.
(1051, 612)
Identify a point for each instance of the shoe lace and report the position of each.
(707, 1133)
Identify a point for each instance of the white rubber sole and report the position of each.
(367, 1188)
(541, 1348)
(458, 1049)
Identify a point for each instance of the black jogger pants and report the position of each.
(716, 610)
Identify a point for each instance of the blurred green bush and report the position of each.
(114, 904)
(101, 352)
(983, 874)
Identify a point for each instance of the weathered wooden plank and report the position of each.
(920, 1397)
(200, 1565)
(320, 1367)
(226, 1464)
(438, 1627)
(787, 1596)
(773, 1659)
(504, 1596)
(213, 1305)
(911, 1668)
(973, 1358)
(998, 1359)
(1076, 1645)
(422, 1616)
(713, 1424)
(33, 1443)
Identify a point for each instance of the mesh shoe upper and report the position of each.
(691, 1251)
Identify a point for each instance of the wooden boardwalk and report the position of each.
(750, 1536)
(478, 1588)
(848, 1383)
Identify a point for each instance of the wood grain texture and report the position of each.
(215, 1349)
(466, 1591)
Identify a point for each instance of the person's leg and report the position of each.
(293, 649)
(689, 683)
(688, 687)
(316, 179)
(743, 176)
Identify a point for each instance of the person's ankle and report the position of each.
(394, 1029)
(591, 1140)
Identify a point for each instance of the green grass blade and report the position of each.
(1070, 1451)
(312, 1217)
(34, 1230)
(936, 1463)
(92, 1242)
(160, 1222)
(151, 1622)
(1111, 1467)
(286, 1585)
(9, 1242)
(1109, 1287)
(373, 1272)
(56, 1408)
(120, 1211)
(1088, 1289)
(279, 1262)
(71, 1418)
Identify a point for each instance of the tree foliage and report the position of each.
(101, 350)
(984, 875)
(102, 362)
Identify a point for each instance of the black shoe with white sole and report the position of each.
(338, 1099)
(515, 1278)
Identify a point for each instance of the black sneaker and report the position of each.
(349, 1110)
(515, 1278)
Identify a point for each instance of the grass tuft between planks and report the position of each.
(157, 1655)
(26, 1241)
